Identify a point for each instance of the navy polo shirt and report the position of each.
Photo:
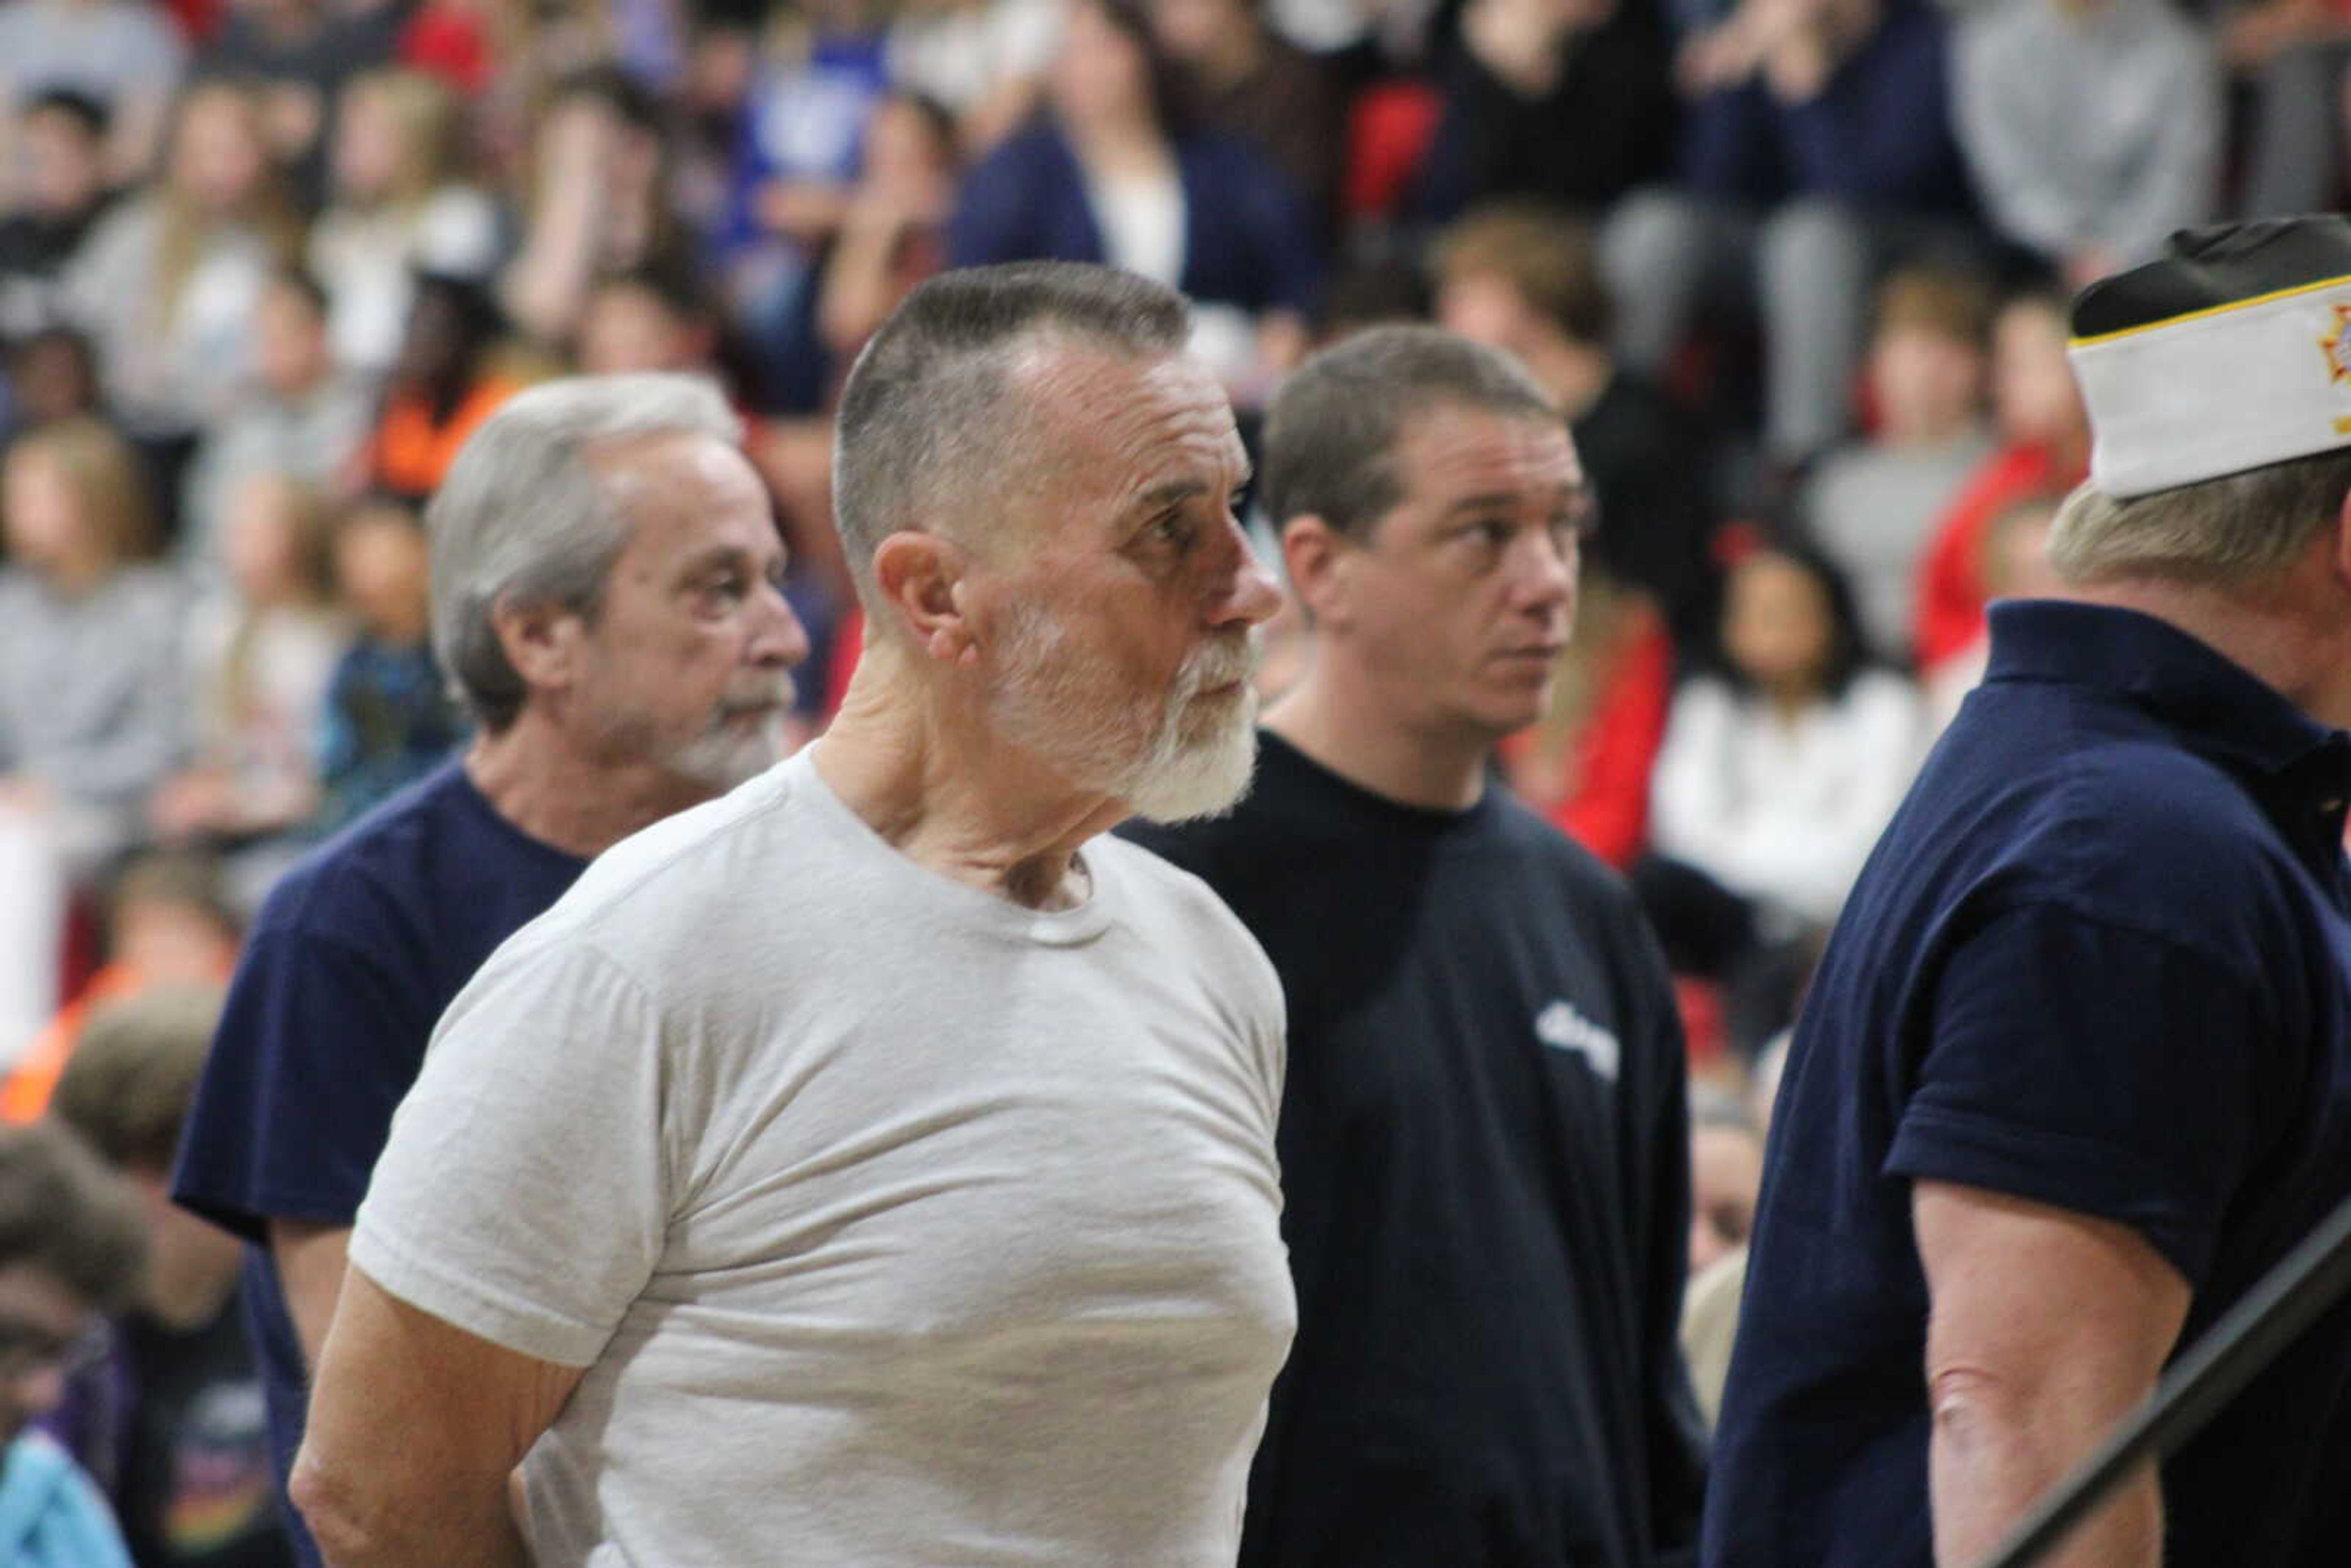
(2100, 959)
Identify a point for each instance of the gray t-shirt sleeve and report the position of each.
(524, 1195)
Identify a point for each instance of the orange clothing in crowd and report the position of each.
(409, 452)
(25, 1092)
(1950, 575)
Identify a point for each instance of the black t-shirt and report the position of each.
(1486, 1173)
(2100, 960)
(197, 1490)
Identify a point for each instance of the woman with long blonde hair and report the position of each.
(402, 202)
(167, 285)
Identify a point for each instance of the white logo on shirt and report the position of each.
(1562, 1025)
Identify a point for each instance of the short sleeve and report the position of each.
(315, 1045)
(2095, 1069)
(524, 1193)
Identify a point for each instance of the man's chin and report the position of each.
(1202, 782)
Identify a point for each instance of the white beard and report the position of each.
(1190, 762)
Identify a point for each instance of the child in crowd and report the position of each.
(167, 285)
(1776, 776)
(91, 714)
(2012, 563)
(1872, 504)
(442, 386)
(260, 656)
(171, 1426)
(167, 924)
(389, 720)
(305, 418)
(2045, 437)
(1726, 1176)
(398, 205)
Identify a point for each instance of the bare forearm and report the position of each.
(1988, 1465)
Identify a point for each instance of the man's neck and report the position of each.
(1336, 719)
(564, 795)
(951, 797)
(2279, 637)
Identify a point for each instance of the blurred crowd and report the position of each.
(1793, 271)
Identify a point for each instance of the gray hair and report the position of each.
(522, 518)
(2224, 532)
(925, 424)
(1332, 430)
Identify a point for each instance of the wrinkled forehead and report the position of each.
(1111, 427)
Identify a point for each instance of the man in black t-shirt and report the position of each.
(1483, 1140)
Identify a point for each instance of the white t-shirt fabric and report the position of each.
(894, 1223)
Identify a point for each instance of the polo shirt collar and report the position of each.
(2219, 708)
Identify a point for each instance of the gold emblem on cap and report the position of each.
(2338, 346)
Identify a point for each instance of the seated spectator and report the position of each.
(646, 321)
(259, 658)
(52, 376)
(1776, 776)
(1725, 1176)
(2094, 128)
(1240, 79)
(175, 1432)
(71, 1249)
(388, 719)
(983, 61)
(442, 384)
(1524, 278)
(1586, 765)
(511, 62)
(61, 190)
(167, 283)
(91, 714)
(398, 204)
(599, 202)
(893, 232)
(123, 53)
(2044, 446)
(2292, 55)
(1818, 152)
(298, 54)
(1110, 172)
(1872, 504)
(2013, 562)
(803, 126)
(167, 924)
(306, 419)
(1568, 100)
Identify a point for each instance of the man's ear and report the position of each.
(539, 640)
(1319, 560)
(921, 579)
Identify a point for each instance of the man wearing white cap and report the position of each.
(2076, 1069)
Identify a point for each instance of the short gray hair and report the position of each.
(522, 518)
(2224, 532)
(925, 423)
(1332, 430)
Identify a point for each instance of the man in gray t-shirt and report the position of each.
(876, 1167)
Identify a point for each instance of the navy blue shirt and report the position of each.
(2101, 960)
(355, 955)
(1485, 1167)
